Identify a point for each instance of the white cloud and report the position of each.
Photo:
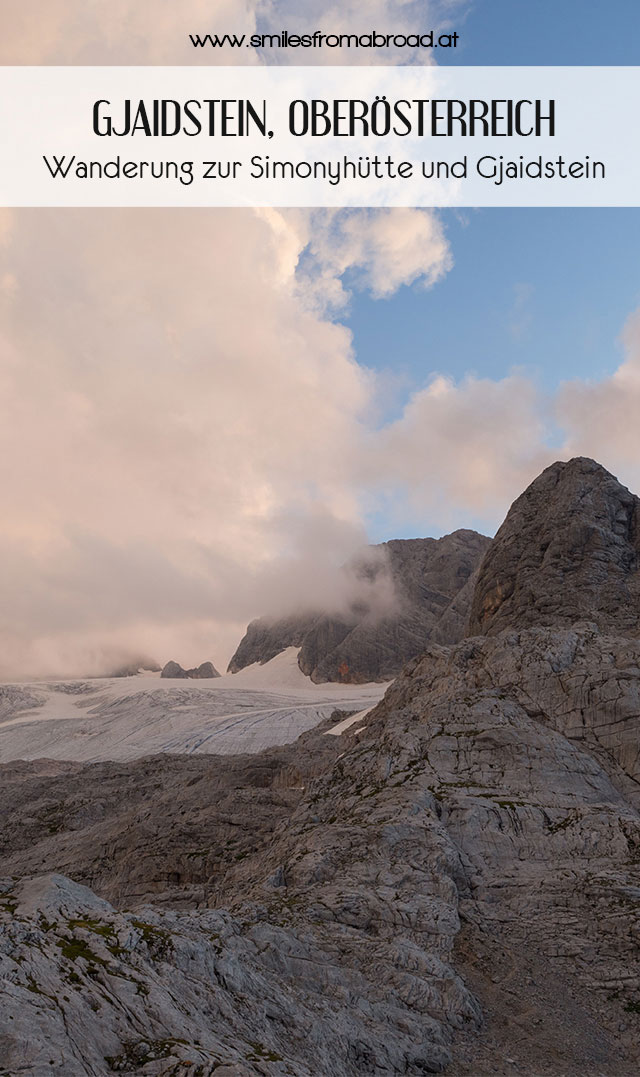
(600, 419)
(465, 450)
(461, 451)
(172, 401)
(186, 438)
(120, 31)
(157, 31)
(178, 412)
(384, 249)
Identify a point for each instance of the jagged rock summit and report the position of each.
(567, 551)
(205, 671)
(431, 585)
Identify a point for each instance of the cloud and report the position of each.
(157, 31)
(121, 31)
(186, 437)
(381, 249)
(179, 410)
(600, 419)
(461, 451)
(176, 406)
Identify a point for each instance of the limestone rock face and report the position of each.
(529, 742)
(452, 882)
(567, 551)
(205, 671)
(471, 853)
(173, 824)
(172, 670)
(89, 990)
(425, 584)
(267, 637)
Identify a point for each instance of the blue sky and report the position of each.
(548, 32)
(544, 291)
(548, 290)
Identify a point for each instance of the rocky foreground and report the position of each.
(453, 884)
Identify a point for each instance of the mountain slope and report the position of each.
(451, 884)
(371, 641)
(457, 881)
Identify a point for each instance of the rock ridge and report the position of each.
(205, 671)
(425, 584)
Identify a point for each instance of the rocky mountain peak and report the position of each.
(205, 671)
(567, 551)
(405, 593)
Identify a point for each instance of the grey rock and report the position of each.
(471, 854)
(90, 990)
(267, 637)
(452, 883)
(173, 670)
(371, 641)
(205, 671)
(567, 551)
(173, 825)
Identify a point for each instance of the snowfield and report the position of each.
(125, 718)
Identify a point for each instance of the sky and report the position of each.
(512, 266)
(203, 413)
(557, 32)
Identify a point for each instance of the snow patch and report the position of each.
(125, 718)
(346, 723)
